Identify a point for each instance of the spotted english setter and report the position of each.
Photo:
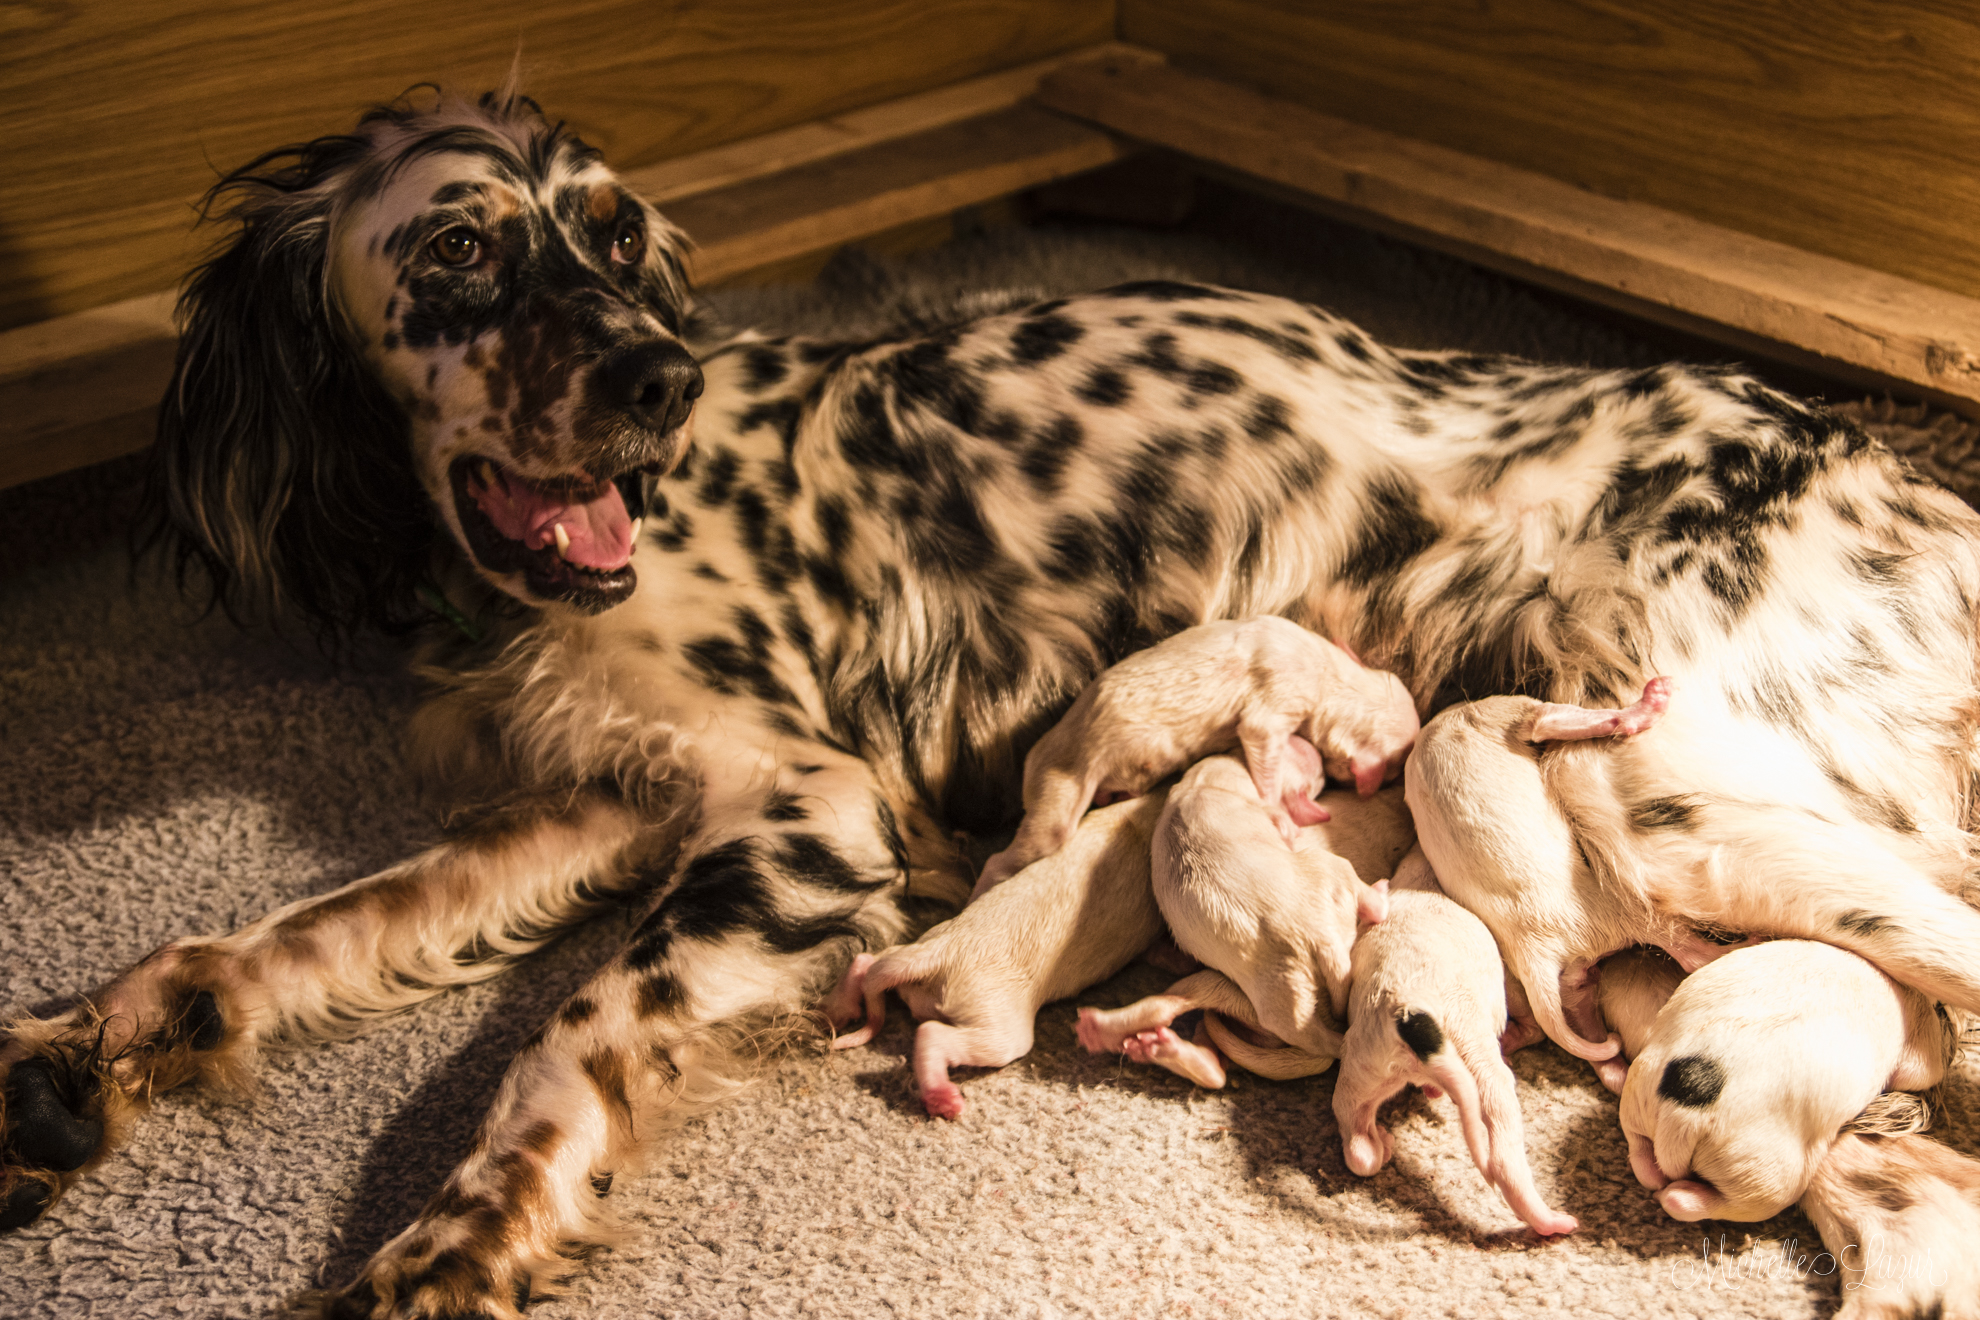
(742, 631)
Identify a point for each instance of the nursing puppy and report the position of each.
(1631, 988)
(1428, 1008)
(978, 980)
(1273, 925)
(1571, 846)
(1756, 1063)
(1252, 683)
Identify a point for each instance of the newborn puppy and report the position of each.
(1252, 683)
(1900, 1214)
(1427, 1007)
(1275, 925)
(1754, 1065)
(1631, 988)
(979, 979)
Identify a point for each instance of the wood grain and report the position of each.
(1639, 257)
(120, 115)
(1840, 127)
(835, 201)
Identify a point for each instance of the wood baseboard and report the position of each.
(1874, 330)
(79, 389)
(82, 388)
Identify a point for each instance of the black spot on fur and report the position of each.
(601, 1185)
(1859, 922)
(1050, 449)
(1421, 1033)
(1678, 812)
(810, 858)
(926, 374)
(1213, 378)
(1287, 346)
(1268, 419)
(737, 667)
(784, 807)
(578, 1011)
(722, 891)
(1393, 532)
(202, 1025)
(46, 1133)
(1042, 338)
(649, 945)
(1692, 1081)
(660, 994)
(1104, 387)
(718, 478)
(763, 366)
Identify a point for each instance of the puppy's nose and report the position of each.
(655, 384)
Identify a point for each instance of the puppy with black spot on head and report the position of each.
(1897, 1210)
(1251, 683)
(1428, 1008)
(1756, 1062)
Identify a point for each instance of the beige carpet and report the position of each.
(163, 776)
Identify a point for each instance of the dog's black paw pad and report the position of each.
(204, 1026)
(46, 1135)
(24, 1204)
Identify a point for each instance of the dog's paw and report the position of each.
(52, 1118)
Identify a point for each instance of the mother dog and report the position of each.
(743, 629)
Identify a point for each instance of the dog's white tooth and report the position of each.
(563, 540)
(635, 527)
(487, 473)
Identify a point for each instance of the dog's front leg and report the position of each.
(779, 888)
(201, 1007)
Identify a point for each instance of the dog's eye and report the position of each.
(630, 245)
(459, 246)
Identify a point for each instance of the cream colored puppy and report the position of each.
(1275, 925)
(1427, 1008)
(979, 979)
(1755, 1064)
(1253, 684)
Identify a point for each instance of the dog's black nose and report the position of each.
(655, 384)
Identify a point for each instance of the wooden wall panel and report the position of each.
(1847, 127)
(121, 114)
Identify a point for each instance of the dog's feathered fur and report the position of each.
(868, 576)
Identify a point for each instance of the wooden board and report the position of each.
(1839, 316)
(1835, 126)
(82, 388)
(119, 115)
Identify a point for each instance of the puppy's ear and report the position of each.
(282, 472)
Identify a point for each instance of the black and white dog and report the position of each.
(746, 628)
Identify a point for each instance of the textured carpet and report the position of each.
(165, 775)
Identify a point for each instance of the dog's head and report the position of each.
(453, 318)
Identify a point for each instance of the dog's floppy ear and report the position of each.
(282, 471)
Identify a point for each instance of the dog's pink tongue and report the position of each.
(599, 528)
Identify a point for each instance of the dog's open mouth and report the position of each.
(571, 539)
